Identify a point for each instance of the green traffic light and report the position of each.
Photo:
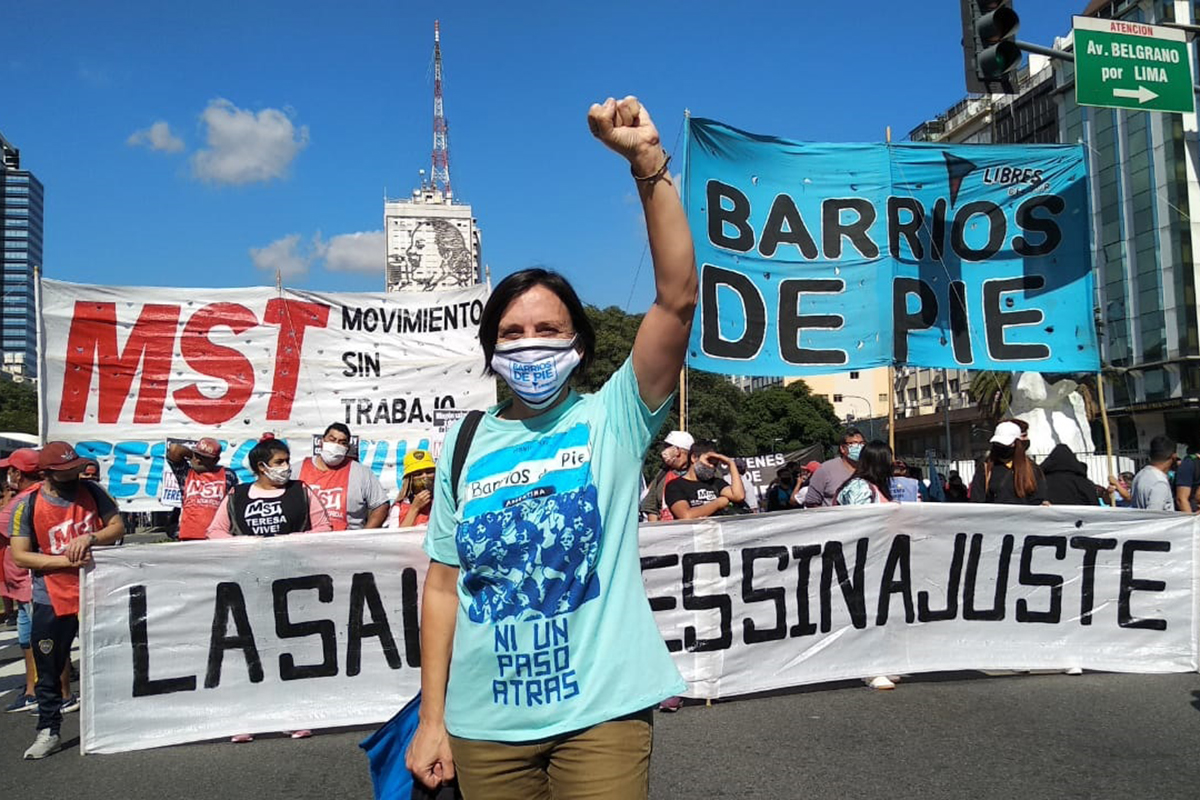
(999, 59)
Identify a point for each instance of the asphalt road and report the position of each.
(942, 736)
(960, 735)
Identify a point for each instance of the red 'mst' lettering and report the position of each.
(216, 361)
(92, 346)
(293, 317)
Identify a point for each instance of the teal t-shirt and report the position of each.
(553, 632)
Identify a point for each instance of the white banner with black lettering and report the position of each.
(126, 367)
(192, 641)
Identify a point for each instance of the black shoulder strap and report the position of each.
(462, 444)
(236, 505)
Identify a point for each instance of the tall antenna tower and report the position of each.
(439, 176)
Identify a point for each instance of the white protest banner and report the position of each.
(127, 367)
(755, 603)
(321, 630)
(312, 630)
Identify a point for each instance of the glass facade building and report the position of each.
(1145, 215)
(21, 209)
(1144, 191)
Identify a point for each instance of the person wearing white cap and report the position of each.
(676, 447)
(1008, 475)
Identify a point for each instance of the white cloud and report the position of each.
(354, 252)
(284, 256)
(157, 137)
(347, 252)
(245, 147)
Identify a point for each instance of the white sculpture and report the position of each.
(1056, 414)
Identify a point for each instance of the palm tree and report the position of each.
(991, 392)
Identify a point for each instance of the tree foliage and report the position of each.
(18, 407)
(766, 421)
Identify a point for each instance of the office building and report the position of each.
(21, 209)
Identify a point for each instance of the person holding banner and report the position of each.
(534, 546)
(351, 494)
(53, 531)
(274, 505)
(873, 482)
(1008, 474)
(203, 482)
(416, 491)
(22, 477)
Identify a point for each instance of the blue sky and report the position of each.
(182, 143)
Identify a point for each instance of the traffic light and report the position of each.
(990, 50)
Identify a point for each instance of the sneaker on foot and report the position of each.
(45, 744)
(304, 734)
(1074, 671)
(880, 682)
(671, 704)
(242, 738)
(70, 704)
(23, 702)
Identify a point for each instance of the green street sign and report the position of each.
(1121, 64)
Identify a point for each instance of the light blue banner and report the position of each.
(818, 258)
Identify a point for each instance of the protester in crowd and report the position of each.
(1067, 481)
(780, 490)
(274, 505)
(203, 484)
(1007, 475)
(416, 491)
(588, 452)
(351, 494)
(79, 516)
(288, 506)
(872, 482)
(1151, 488)
(872, 479)
(1187, 481)
(904, 488)
(676, 447)
(702, 492)
(829, 477)
(801, 491)
(1120, 490)
(956, 490)
(21, 477)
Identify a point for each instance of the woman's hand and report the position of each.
(422, 499)
(428, 757)
(625, 127)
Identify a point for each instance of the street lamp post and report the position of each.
(870, 412)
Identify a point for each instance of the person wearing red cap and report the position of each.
(203, 484)
(801, 490)
(21, 474)
(53, 531)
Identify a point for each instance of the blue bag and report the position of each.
(386, 748)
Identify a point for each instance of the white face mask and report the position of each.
(333, 454)
(279, 475)
(536, 369)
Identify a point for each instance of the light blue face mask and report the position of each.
(853, 451)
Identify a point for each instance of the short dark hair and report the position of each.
(261, 453)
(700, 447)
(337, 426)
(1161, 448)
(518, 284)
(850, 433)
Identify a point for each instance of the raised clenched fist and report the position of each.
(625, 126)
